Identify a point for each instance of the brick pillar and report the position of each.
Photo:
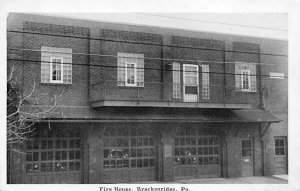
(167, 157)
(17, 164)
(167, 67)
(94, 151)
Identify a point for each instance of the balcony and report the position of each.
(157, 94)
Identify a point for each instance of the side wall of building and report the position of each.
(275, 99)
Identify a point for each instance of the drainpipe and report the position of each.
(262, 104)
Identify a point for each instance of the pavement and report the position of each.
(277, 179)
(283, 176)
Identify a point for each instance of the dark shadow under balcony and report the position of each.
(157, 94)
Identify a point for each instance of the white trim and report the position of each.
(184, 84)
(207, 85)
(176, 94)
(249, 82)
(61, 73)
(276, 75)
(135, 74)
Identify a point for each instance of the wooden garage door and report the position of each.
(197, 153)
(54, 156)
(129, 155)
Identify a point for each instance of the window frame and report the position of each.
(61, 69)
(280, 147)
(134, 73)
(205, 82)
(176, 81)
(251, 69)
(248, 77)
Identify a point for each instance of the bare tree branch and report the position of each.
(22, 116)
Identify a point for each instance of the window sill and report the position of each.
(125, 87)
(55, 84)
(245, 91)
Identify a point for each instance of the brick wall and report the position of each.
(235, 144)
(103, 68)
(67, 94)
(275, 98)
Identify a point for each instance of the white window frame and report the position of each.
(176, 77)
(126, 74)
(185, 74)
(242, 80)
(205, 82)
(61, 68)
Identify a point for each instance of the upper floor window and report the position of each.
(205, 81)
(130, 70)
(176, 80)
(245, 76)
(56, 65)
(130, 74)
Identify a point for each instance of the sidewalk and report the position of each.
(241, 180)
(284, 176)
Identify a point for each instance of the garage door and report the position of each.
(129, 155)
(197, 153)
(54, 156)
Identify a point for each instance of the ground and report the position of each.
(241, 180)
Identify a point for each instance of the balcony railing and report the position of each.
(112, 93)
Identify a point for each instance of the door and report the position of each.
(197, 153)
(280, 164)
(129, 155)
(54, 156)
(190, 83)
(247, 158)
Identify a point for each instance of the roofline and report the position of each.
(141, 28)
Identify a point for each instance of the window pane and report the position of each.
(44, 156)
(77, 166)
(200, 151)
(246, 143)
(139, 163)
(133, 163)
(151, 162)
(279, 151)
(29, 168)
(49, 167)
(72, 166)
(200, 161)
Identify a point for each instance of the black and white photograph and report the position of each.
(147, 101)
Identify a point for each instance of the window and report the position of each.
(130, 74)
(129, 148)
(279, 146)
(54, 151)
(246, 148)
(130, 70)
(176, 80)
(194, 147)
(205, 81)
(245, 76)
(56, 65)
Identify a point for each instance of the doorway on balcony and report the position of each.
(190, 83)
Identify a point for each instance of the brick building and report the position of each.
(143, 103)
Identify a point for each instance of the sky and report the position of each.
(266, 25)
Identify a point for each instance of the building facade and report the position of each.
(138, 103)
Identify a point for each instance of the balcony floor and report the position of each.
(168, 104)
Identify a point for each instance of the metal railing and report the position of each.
(167, 92)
